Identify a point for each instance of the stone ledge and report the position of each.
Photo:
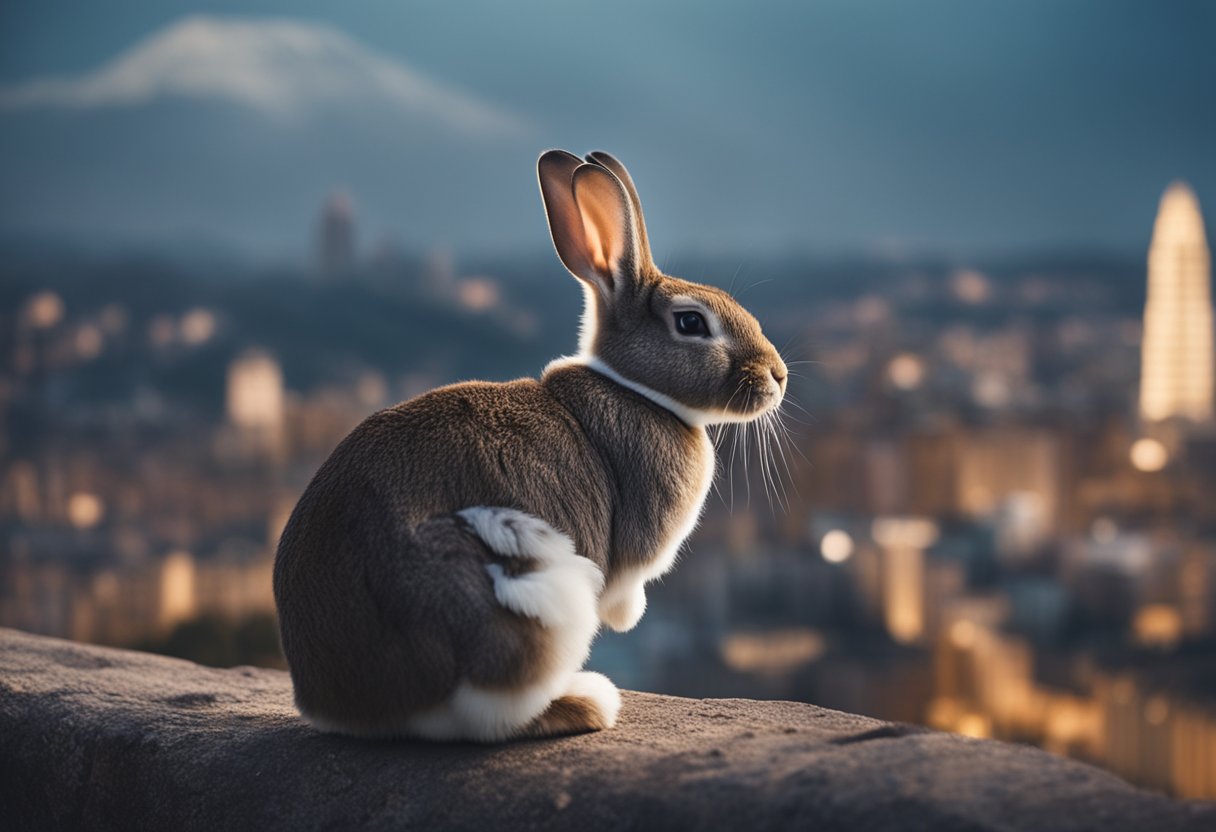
(96, 738)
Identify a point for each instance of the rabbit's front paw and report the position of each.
(621, 607)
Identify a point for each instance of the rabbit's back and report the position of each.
(470, 444)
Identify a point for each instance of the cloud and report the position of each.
(281, 68)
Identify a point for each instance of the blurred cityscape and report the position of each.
(994, 513)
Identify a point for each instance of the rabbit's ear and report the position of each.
(610, 162)
(591, 220)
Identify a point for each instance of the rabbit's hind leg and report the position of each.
(537, 575)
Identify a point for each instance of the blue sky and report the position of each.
(824, 126)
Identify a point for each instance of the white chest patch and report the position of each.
(624, 598)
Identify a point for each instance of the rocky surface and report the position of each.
(94, 738)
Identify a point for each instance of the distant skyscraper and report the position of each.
(336, 235)
(1176, 370)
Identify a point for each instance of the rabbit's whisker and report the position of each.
(781, 439)
(730, 472)
(719, 438)
(722, 428)
(731, 291)
(792, 438)
(753, 286)
(779, 483)
(796, 404)
(762, 454)
(744, 438)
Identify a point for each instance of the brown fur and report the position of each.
(385, 604)
(567, 715)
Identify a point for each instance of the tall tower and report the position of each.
(336, 235)
(1176, 369)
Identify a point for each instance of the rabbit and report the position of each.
(445, 572)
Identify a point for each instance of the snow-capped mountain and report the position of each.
(280, 68)
(236, 129)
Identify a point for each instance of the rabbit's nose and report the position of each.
(778, 372)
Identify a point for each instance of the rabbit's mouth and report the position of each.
(765, 396)
(757, 393)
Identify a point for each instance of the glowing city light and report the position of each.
(973, 725)
(910, 532)
(255, 391)
(906, 371)
(904, 540)
(1156, 710)
(478, 294)
(1149, 455)
(774, 652)
(1158, 625)
(871, 310)
(89, 341)
(177, 595)
(992, 389)
(44, 310)
(970, 286)
(198, 325)
(836, 546)
(962, 634)
(85, 510)
(1177, 373)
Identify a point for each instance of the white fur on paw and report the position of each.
(621, 607)
(599, 689)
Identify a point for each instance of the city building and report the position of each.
(336, 235)
(1177, 373)
(255, 405)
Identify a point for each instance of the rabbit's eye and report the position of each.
(691, 323)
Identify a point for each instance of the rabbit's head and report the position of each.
(692, 345)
